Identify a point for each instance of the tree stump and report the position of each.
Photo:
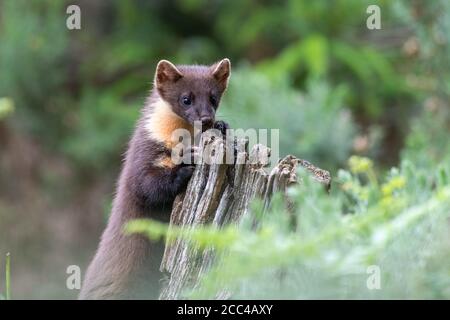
(220, 193)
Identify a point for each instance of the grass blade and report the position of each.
(8, 276)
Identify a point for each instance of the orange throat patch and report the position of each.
(162, 122)
(160, 126)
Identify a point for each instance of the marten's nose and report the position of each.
(207, 121)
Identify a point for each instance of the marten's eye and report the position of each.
(213, 100)
(186, 100)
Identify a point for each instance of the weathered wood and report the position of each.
(220, 193)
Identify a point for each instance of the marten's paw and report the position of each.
(182, 177)
(222, 126)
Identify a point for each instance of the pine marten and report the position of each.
(124, 266)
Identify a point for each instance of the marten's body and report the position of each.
(149, 181)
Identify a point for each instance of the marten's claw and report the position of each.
(222, 126)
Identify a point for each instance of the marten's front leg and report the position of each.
(182, 176)
(157, 187)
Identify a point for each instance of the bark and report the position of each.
(220, 193)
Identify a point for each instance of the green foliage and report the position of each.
(103, 124)
(6, 107)
(399, 227)
(428, 142)
(79, 92)
(31, 45)
(254, 101)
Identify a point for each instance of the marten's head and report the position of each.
(193, 92)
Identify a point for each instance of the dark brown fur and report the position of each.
(149, 181)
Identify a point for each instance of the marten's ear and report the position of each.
(165, 72)
(221, 71)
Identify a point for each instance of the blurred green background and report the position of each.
(69, 100)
